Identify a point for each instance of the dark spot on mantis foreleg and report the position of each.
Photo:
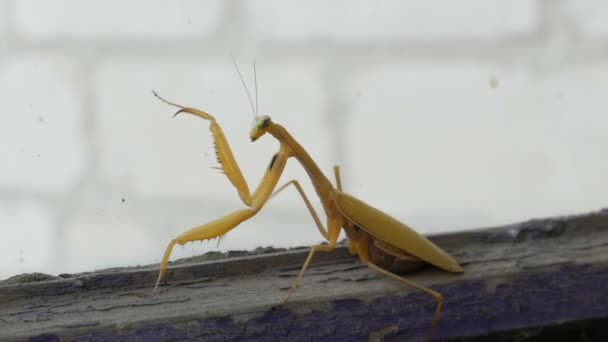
(274, 158)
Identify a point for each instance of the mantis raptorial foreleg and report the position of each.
(207, 231)
(221, 226)
(223, 151)
(230, 167)
(312, 211)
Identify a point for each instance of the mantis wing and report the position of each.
(388, 229)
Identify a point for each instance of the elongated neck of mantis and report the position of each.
(322, 185)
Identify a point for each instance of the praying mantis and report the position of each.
(382, 243)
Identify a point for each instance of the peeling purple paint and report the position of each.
(525, 301)
(108, 337)
(529, 292)
(160, 333)
(45, 338)
(81, 324)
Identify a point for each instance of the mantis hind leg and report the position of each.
(364, 256)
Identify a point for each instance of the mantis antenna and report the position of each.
(255, 81)
(245, 86)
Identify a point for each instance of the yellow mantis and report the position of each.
(382, 243)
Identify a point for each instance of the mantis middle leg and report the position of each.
(333, 231)
(312, 211)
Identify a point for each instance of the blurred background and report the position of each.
(449, 116)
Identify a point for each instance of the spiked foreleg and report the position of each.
(224, 155)
(223, 225)
(207, 231)
(223, 151)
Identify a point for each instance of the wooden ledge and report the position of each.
(525, 280)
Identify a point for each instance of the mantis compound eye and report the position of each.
(263, 122)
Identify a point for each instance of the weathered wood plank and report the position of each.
(528, 277)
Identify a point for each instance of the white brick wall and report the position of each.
(394, 20)
(113, 20)
(449, 116)
(590, 17)
(41, 136)
(27, 241)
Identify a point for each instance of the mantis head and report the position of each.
(259, 126)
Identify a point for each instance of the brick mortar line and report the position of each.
(507, 54)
